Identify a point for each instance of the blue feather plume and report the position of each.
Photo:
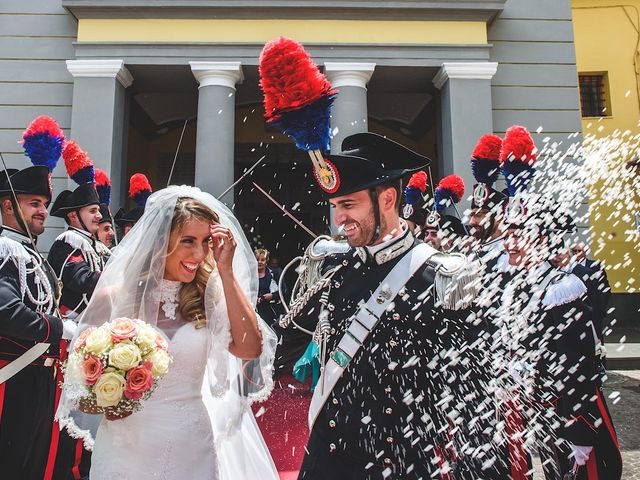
(517, 175)
(443, 198)
(485, 171)
(84, 175)
(412, 196)
(43, 149)
(309, 126)
(104, 193)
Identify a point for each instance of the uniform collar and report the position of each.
(16, 235)
(392, 248)
(84, 233)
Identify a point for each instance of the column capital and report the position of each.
(224, 74)
(349, 74)
(465, 70)
(101, 68)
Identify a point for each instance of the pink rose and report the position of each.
(123, 329)
(139, 382)
(92, 368)
(161, 342)
(82, 339)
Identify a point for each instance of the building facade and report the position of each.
(131, 80)
(609, 81)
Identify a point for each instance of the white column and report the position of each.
(98, 116)
(215, 138)
(466, 114)
(349, 112)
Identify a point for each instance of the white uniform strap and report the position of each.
(22, 361)
(363, 323)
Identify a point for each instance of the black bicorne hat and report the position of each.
(368, 160)
(69, 201)
(105, 211)
(447, 223)
(123, 217)
(32, 180)
(488, 198)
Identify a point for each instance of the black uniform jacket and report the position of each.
(22, 322)
(561, 347)
(73, 268)
(390, 407)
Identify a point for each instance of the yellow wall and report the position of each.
(260, 31)
(607, 38)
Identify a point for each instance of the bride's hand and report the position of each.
(224, 245)
(110, 414)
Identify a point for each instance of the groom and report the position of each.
(383, 407)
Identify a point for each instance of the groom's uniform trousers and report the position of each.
(79, 276)
(27, 399)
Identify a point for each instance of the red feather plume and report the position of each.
(418, 180)
(453, 183)
(75, 158)
(43, 124)
(101, 177)
(518, 146)
(138, 183)
(289, 78)
(488, 147)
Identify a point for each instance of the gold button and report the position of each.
(396, 316)
(332, 424)
(335, 401)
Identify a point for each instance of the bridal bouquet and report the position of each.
(117, 365)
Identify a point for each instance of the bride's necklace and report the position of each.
(167, 295)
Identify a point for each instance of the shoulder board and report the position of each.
(565, 289)
(10, 248)
(76, 240)
(456, 280)
(323, 246)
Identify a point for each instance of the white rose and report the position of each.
(98, 342)
(124, 356)
(109, 389)
(146, 337)
(160, 360)
(73, 369)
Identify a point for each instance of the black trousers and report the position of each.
(320, 463)
(25, 424)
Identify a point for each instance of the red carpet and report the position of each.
(283, 422)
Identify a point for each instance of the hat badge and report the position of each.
(480, 194)
(327, 176)
(433, 220)
(407, 211)
(515, 211)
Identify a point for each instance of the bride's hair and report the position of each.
(191, 298)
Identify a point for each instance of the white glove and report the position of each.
(521, 372)
(69, 329)
(580, 453)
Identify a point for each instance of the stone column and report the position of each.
(349, 112)
(215, 139)
(98, 117)
(466, 115)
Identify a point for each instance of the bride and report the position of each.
(187, 269)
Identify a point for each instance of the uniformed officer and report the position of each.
(544, 347)
(139, 191)
(78, 263)
(106, 235)
(384, 406)
(30, 331)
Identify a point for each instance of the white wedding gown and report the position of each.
(172, 437)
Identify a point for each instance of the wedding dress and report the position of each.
(197, 424)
